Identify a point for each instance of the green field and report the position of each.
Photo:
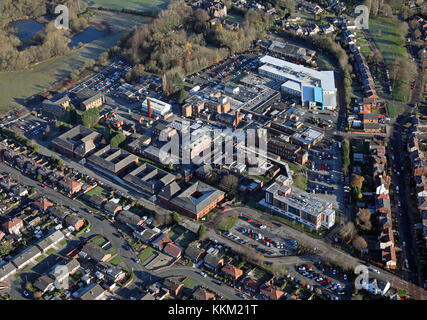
(15, 87)
(140, 5)
(393, 110)
(190, 283)
(386, 35)
(147, 253)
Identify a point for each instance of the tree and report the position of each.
(73, 115)
(175, 217)
(229, 183)
(357, 181)
(359, 243)
(118, 139)
(39, 178)
(5, 247)
(345, 150)
(348, 231)
(182, 95)
(202, 231)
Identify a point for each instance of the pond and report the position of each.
(89, 35)
(26, 29)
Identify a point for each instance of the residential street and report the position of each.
(104, 227)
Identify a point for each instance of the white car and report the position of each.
(203, 274)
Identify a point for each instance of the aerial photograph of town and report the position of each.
(230, 151)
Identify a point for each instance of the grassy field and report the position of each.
(99, 241)
(393, 110)
(147, 253)
(15, 87)
(140, 5)
(190, 283)
(386, 35)
(116, 260)
(228, 223)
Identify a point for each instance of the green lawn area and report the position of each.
(386, 35)
(96, 190)
(116, 260)
(41, 258)
(366, 51)
(141, 5)
(99, 241)
(296, 169)
(190, 283)
(228, 223)
(147, 253)
(300, 182)
(50, 251)
(393, 110)
(63, 242)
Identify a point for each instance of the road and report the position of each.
(405, 221)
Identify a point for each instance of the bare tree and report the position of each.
(359, 243)
(348, 231)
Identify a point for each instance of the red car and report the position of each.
(44, 186)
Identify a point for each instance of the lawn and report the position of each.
(386, 36)
(99, 241)
(116, 260)
(393, 110)
(190, 283)
(300, 182)
(16, 87)
(96, 190)
(140, 5)
(228, 223)
(296, 169)
(50, 251)
(40, 258)
(147, 253)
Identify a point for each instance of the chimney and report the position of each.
(149, 108)
(237, 118)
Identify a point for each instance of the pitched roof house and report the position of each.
(112, 207)
(193, 253)
(173, 250)
(251, 285)
(271, 293)
(70, 186)
(42, 204)
(231, 272)
(94, 252)
(44, 283)
(13, 226)
(202, 294)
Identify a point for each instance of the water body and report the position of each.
(26, 29)
(89, 35)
